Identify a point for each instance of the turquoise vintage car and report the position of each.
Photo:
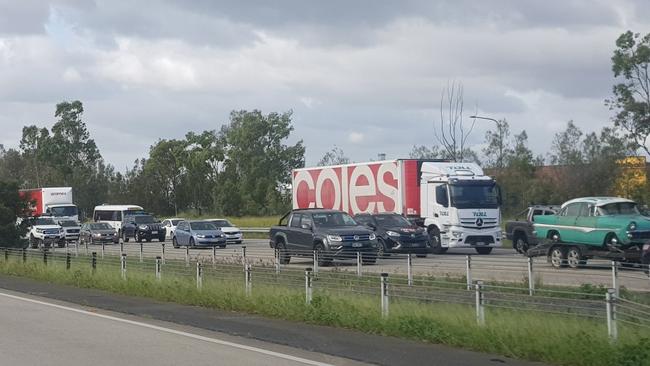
(597, 221)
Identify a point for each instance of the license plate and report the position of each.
(357, 245)
(154, 232)
(480, 243)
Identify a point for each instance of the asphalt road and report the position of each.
(503, 264)
(36, 331)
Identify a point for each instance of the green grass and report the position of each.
(562, 340)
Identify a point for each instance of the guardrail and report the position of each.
(475, 283)
(255, 229)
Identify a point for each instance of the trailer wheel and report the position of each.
(574, 257)
(557, 257)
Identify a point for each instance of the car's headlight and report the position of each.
(97, 235)
(392, 233)
(144, 227)
(334, 238)
(372, 236)
(632, 226)
(200, 236)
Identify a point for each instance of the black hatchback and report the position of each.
(396, 234)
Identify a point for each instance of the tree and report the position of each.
(631, 99)
(336, 156)
(166, 166)
(423, 152)
(450, 131)
(498, 145)
(11, 208)
(566, 146)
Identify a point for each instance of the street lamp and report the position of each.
(501, 142)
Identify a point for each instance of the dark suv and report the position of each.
(332, 234)
(142, 227)
(396, 234)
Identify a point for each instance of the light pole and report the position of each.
(501, 142)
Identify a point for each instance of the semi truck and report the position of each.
(55, 202)
(456, 202)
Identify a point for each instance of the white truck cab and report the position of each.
(460, 206)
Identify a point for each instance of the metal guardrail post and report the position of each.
(315, 261)
(359, 265)
(123, 265)
(615, 284)
(531, 277)
(248, 284)
(68, 259)
(480, 303)
(86, 245)
(121, 247)
(214, 256)
(468, 271)
(199, 275)
(162, 254)
(158, 268)
(384, 295)
(308, 286)
(6, 254)
(409, 269)
(103, 248)
(141, 252)
(67, 246)
(45, 256)
(187, 256)
(612, 329)
(24, 255)
(93, 262)
(277, 261)
(76, 249)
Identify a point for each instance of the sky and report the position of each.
(365, 76)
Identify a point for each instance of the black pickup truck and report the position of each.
(332, 234)
(520, 231)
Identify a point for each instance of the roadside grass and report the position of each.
(550, 338)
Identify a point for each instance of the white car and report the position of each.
(71, 230)
(233, 233)
(45, 232)
(170, 226)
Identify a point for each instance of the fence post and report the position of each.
(67, 260)
(214, 256)
(468, 270)
(162, 255)
(123, 265)
(531, 277)
(45, 256)
(615, 284)
(24, 255)
(187, 256)
(76, 249)
(384, 295)
(409, 269)
(86, 245)
(315, 261)
(121, 247)
(6, 254)
(243, 255)
(93, 262)
(248, 284)
(67, 246)
(141, 252)
(308, 287)
(480, 310)
(612, 329)
(103, 247)
(158, 268)
(199, 275)
(277, 261)
(359, 265)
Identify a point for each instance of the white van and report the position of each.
(113, 214)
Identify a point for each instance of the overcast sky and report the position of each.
(363, 75)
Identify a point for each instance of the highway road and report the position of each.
(503, 264)
(38, 331)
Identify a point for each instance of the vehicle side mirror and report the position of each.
(306, 226)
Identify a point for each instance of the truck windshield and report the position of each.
(63, 211)
(620, 208)
(332, 219)
(68, 223)
(392, 221)
(474, 195)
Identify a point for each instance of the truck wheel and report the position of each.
(283, 254)
(324, 259)
(557, 257)
(574, 258)
(436, 244)
(483, 250)
(521, 244)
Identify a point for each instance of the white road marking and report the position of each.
(172, 331)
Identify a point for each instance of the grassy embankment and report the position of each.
(556, 339)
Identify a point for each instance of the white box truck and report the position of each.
(56, 202)
(457, 204)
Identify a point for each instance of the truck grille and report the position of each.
(472, 240)
(50, 231)
(362, 237)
